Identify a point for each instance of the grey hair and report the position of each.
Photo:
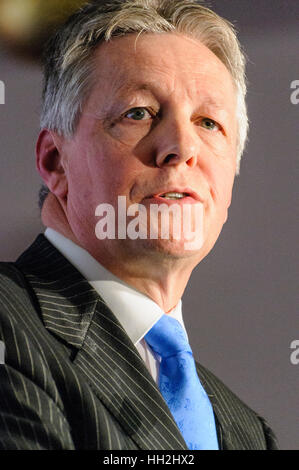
(69, 54)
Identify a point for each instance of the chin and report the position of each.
(173, 249)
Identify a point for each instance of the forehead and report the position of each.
(162, 64)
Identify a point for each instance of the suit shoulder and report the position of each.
(10, 273)
(15, 292)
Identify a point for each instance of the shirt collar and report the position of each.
(136, 312)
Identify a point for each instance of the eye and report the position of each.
(210, 124)
(138, 114)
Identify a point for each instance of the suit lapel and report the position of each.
(213, 399)
(66, 300)
(226, 433)
(75, 313)
(118, 376)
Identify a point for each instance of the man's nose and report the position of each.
(177, 144)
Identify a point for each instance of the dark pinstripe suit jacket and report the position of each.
(72, 379)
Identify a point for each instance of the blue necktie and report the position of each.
(180, 386)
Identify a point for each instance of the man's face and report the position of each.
(161, 116)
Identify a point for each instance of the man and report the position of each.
(143, 100)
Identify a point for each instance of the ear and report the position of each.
(50, 164)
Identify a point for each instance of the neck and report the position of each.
(54, 216)
(165, 290)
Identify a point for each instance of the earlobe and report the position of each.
(49, 163)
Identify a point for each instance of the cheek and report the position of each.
(108, 171)
(221, 187)
(80, 179)
(118, 164)
(128, 135)
(226, 186)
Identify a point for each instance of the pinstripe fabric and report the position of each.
(72, 378)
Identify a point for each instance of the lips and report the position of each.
(176, 194)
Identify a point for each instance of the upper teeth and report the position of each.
(174, 195)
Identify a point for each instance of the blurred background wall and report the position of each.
(241, 305)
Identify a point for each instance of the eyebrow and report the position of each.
(209, 101)
(133, 87)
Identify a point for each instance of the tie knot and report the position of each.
(167, 337)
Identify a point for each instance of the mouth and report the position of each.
(185, 195)
(174, 195)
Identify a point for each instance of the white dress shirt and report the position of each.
(136, 312)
